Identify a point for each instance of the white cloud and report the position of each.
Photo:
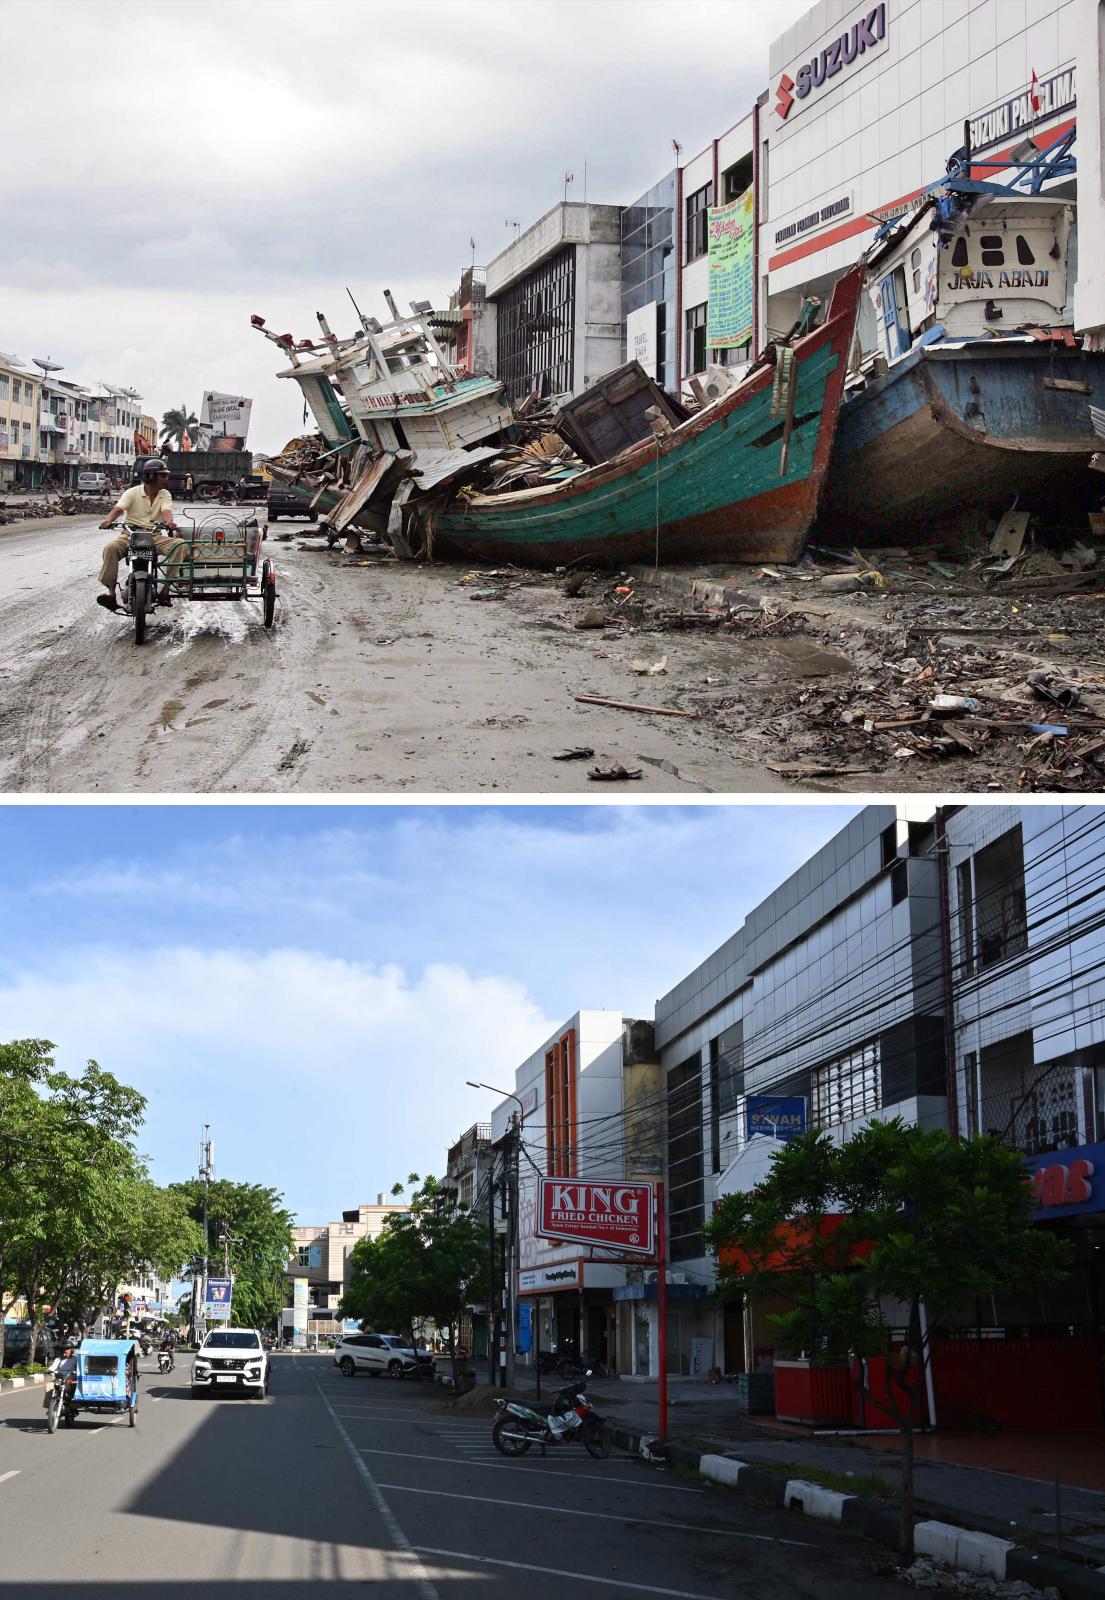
(346, 1075)
(260, 155)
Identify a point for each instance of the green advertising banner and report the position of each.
(729, 258)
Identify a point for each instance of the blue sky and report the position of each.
(319, 982)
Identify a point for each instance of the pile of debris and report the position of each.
(542, 458)
(63, 505)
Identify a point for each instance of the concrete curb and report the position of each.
(962, 1549)
(38, 1378)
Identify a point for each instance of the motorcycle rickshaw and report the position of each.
(104, 1381)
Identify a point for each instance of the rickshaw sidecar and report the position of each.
(105, 1380)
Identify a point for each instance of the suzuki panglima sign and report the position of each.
(611, 1213)
(862, 39)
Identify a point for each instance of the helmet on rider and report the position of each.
(154, 468)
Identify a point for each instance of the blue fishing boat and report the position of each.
(973, 388)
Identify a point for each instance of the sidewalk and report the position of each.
(1002, 1483)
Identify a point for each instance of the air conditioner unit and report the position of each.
(718, 381)
(673, 1277)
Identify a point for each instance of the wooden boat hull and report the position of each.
(953, 430)
(710, 490)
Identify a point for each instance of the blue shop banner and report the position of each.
(774, 1116)
(523, 1341)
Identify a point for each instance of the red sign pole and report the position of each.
(662, 1307)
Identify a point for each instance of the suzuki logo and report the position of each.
(783, 97)
(863, 37)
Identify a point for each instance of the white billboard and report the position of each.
(640, 337)
(224, 420)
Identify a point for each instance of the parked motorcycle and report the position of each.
(572, 1417)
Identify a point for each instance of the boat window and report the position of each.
(993, 250)
(915, 263)
(959, 253)
(1024, 253)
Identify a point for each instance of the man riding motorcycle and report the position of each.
(147, 505)
(61, 1366)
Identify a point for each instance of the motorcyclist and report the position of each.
(147, 505)
(62, 1365)
(167, 1347)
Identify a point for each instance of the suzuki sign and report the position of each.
(607, 1212)
(859, 42)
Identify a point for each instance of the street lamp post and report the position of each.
(510, 1175)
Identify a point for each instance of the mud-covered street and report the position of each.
(382, 677)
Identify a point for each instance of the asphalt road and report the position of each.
(331, 1480)
(377, 677)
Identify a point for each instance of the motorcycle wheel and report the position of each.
(140, 596)
(53, 1412)
(596, 1438)
(511, 1446)
(268, 592)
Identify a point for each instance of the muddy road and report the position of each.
(375, 679)
(386, 678)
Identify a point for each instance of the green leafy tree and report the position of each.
(429, 1265)
(257, 1230)
(78, 1211)
(928, 1220)
(176, 423)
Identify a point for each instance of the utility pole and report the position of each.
(207, 1173)
(492, 1339)
(510, 1176)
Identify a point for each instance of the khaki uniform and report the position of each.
(142, 512)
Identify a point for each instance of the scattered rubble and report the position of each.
(926, 1574)
(60, 505)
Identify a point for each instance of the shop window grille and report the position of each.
(846, 1088)
(536, 329)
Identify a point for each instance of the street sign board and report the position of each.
(217, 1298)
(605, 1211)
(776, 1116)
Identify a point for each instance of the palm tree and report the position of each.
(174, 425)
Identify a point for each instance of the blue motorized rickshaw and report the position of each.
(103, 1380)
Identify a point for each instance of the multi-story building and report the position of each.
(117, 414)
(321, 1254)
(470, 1177)
(942, 965)
(587, 1106)
(20, 393)
(63, 431)
(557, 297)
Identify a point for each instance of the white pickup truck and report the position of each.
(231, 1359)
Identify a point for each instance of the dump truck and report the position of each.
(201, 474)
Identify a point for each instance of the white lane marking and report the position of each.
(4, 1476)
(546, 1472)
(602, 1516)
(391, 1522)
(560, 1572)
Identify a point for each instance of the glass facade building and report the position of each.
(649, 269)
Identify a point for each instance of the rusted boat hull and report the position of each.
(718, 487)
(952, 431)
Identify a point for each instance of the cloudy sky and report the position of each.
(319, 982)
(174, 168)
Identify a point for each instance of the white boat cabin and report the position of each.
(391, 386)
(1001, 266)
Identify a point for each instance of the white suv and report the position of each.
(231, 1358)
(92, 483)
(375, 1353)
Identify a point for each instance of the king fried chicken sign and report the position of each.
(610, 1213)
